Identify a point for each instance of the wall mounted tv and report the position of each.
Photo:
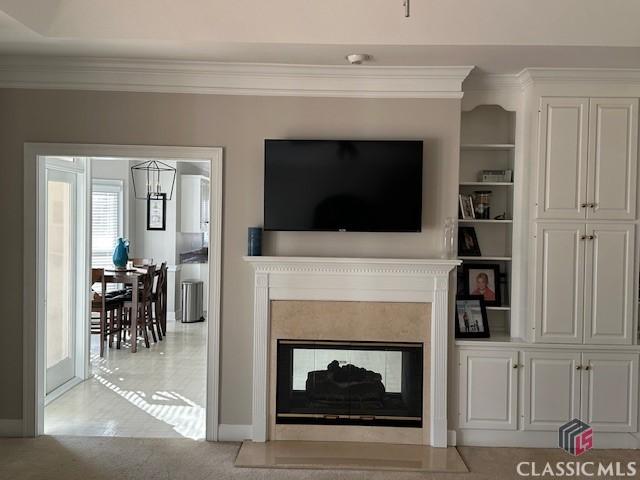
(343, 185)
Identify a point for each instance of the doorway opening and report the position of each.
(116, 353)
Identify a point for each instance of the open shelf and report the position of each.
(486, 184)
(487, 146)
(478, 220)
(486, 258)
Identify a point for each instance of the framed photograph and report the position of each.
(483, 279)
(157, 211)
(468, 242)
(466, 207)
(471, 317)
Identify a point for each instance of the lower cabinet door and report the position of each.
(488, 389)
(551, 389)
(610, 391)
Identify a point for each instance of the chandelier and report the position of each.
(153, 178)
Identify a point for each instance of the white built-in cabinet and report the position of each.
(548, 388)
(609, 392)
(488, 389)
(194, 204)
(588, 155)
(551, 393)
(584, 283)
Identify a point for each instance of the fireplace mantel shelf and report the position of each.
(417, 265)
(353, 279)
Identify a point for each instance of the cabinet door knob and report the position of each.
(515, 365)
(584, 205)
(583, 237)
(587, 367)
(578, 367)
(591, 237)
(592, 205)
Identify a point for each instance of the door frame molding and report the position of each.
(33, 345)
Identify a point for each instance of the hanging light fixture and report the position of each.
(153, 178)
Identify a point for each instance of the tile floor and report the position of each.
(157, 392)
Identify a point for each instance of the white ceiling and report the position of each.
(500, 36)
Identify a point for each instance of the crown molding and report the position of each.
(165, 76)
(481, 82)
(599, 76)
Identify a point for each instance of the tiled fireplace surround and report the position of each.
(382, 300)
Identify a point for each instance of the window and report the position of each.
(106, 220)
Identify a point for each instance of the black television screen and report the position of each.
(340, 185)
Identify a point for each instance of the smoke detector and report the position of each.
(358, 58)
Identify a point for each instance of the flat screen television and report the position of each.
(343, 185)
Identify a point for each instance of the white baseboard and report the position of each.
(497, 438)
(175, 316)
(10, 427)
(451, 438)
(234, 433)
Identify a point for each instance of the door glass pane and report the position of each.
(59, 272)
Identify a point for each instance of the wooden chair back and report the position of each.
(137, 262)
(97, 276)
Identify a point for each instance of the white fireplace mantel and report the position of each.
(353, 279)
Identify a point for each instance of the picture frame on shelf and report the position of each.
(471, 317)
(157, 211)
(468, 245)
(467, 211)
(483, 279)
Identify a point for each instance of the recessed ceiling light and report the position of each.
(358, 58)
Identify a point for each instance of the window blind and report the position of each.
(106, 221)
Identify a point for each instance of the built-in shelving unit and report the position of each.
(488, 142)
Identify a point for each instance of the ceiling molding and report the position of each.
(132, 75)
(481, 82)
(545, 76)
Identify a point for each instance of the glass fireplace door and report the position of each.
(351, 383)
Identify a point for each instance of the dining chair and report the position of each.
(105, 304)
(159, 298)
(143, 317)
(140, 262)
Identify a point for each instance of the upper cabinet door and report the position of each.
(559, 283)
(613, 158)
(609, 283)
(562, 163)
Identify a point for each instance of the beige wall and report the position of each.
(239, 124)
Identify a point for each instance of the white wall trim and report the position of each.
(10, 427)
(32, 382)
(138, 75)
(234, 433)
(353, 279)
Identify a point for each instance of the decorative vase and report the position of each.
(254, 244)
(121, 254)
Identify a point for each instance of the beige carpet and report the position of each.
(105, 458)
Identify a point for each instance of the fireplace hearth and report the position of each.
(349, 383)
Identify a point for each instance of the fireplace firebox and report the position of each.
(349, 383)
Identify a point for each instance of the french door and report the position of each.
(61, 311)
